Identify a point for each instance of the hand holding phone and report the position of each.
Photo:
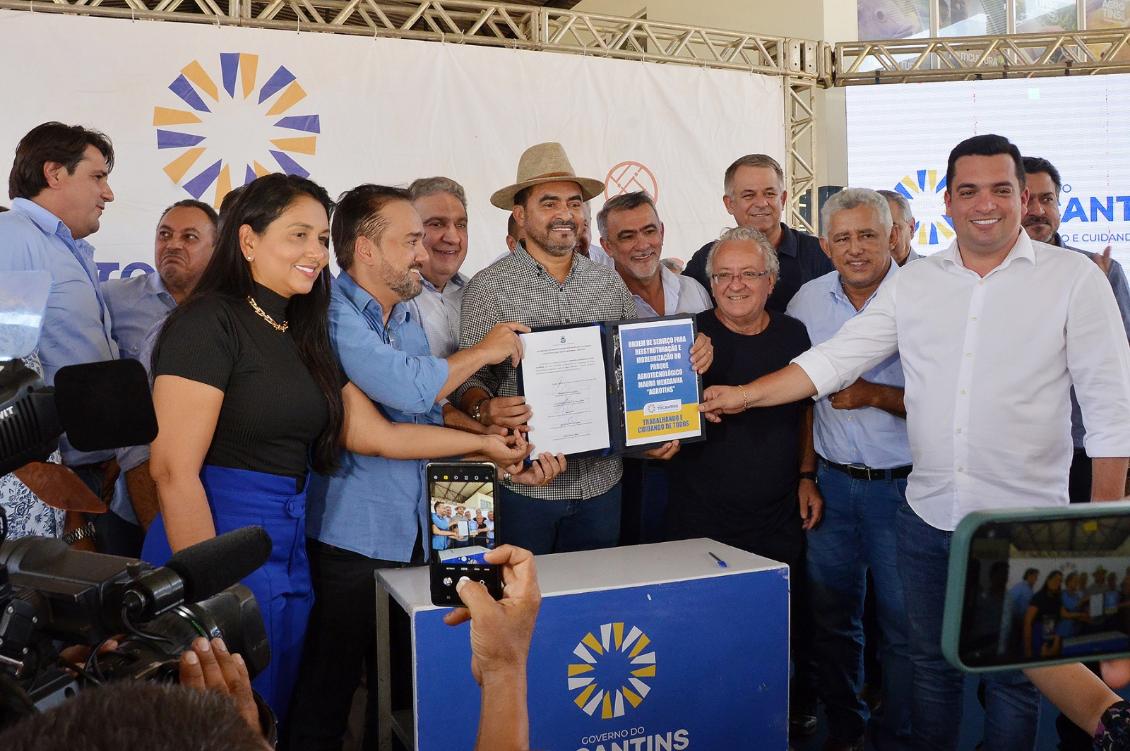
(463, 527)
(1035, 587)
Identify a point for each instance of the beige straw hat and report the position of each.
(544, 163)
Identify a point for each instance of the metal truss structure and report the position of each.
(530, 27)
(804, 66)
(1069, 53)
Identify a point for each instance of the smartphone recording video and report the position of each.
(462, 508)
(1041, 586)
(463, 527)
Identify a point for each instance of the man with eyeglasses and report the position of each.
(993, 332)
(740, 485)
(859, 467)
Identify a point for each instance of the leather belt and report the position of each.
(863, 472)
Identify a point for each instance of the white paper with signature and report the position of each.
(563, 377)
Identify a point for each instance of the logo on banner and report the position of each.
(612, 671)
(925, 193)
(628, 177)
(227, 126)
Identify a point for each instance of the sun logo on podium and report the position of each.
(612, 671)
(926, 195)
(225, 130)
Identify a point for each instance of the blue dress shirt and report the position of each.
(869, 435)
(138, 305)
(76, 324)
(372, 505)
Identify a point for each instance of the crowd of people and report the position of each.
(455, 527)
(860, 400)
(1041, 621)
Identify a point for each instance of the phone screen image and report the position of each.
(461, 498)
(1046, 590)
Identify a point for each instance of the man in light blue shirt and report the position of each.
(373, 512)
(186, 236)
(60, 186)
(862, 460)
(1016, 606)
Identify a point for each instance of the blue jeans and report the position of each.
(543, 526)
(857, 534)
(1012, 703)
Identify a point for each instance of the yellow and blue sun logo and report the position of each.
(227, 134)
(925, 193)
(612, 671)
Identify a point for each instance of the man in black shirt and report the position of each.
(740, 485)
(755, 196)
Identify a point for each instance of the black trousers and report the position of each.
(1079, 480)
(340, 643)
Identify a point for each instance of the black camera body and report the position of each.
(52, 597)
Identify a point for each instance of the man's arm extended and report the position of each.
(1108, 478)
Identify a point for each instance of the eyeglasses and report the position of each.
(724, 278)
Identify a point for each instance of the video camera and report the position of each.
(52, 597)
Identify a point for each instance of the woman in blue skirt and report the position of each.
(249, 395)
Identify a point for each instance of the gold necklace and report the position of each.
(280, 327)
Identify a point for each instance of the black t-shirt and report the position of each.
(1047, 604)
(273, 409)
(739, 486)
(801, 258)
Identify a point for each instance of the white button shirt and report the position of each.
(439, 314)
(989, 363)
(681, 294)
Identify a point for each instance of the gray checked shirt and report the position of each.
(517, 288)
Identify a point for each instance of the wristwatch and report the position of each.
(808, 476)
(477, 409)
(85, 532)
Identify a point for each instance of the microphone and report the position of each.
(198, 572)
(209, 567)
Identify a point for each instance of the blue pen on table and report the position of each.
(721, 563)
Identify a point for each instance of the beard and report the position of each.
(546, 241)
(1040, 229)
(405, 284)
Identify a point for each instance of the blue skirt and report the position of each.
(282, 586)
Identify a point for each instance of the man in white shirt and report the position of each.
(442, 206)
(632, 235)
(993, 332)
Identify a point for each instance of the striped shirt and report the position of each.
(517, 288)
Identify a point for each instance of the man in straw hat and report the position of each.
(543, 282)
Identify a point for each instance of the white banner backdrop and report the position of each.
(900, 136)
(195, 109)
